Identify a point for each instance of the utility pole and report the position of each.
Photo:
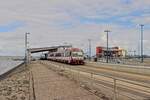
(89, 49)
(26, 48)
(139, 50)
(107, 31)
(142, 29)
(134, 53)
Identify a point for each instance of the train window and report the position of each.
(58, 54)
(70, 53)
(67, 53)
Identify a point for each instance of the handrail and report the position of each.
(141, 84)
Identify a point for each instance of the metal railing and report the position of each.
(112, 87)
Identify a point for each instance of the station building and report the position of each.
(112, 52)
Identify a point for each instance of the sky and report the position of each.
(57, 22)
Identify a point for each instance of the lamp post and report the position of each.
(26, 48)
(142, 29)
(107, 31)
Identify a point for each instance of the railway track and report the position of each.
(144, 79)
(133, 85)
(142, 70)
(117, 74)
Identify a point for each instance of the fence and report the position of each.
(105, 86)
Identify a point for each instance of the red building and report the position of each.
(112, 52)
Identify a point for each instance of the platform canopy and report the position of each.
(42, 49)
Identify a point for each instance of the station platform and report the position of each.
(48, 85)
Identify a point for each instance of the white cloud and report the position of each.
(46, 21)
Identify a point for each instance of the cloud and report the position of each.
(54, 22)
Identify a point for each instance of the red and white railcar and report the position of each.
(67, 55)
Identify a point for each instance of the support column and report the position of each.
(28, 56)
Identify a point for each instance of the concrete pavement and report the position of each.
(48, 85)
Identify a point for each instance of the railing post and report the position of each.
(91, 79)
(72, 75)
(79, 76)
(115, 90)
(64, 68)
(59, 68)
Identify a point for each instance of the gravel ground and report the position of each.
(15, 86)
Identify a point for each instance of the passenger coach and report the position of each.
(67, 55)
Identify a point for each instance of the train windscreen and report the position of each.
(77, 54)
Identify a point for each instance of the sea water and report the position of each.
(6, 65)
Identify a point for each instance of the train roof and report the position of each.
(74, 49)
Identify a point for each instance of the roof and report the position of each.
(36, 50)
